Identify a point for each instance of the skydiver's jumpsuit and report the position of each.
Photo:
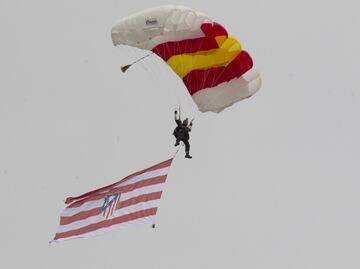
(181, 133)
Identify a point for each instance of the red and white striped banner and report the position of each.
(132, 200)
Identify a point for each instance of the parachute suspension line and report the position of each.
(188, 99)
(182, 67)
(190, 104)
(162, 80)
(215, 79)
(149, 68)
(152, 70)
(206, 74)
(183, 95)
(126, 67)
(172, 78)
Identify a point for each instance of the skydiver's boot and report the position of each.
(188, 155)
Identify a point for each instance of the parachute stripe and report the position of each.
(185, 63)
(225, 94)
(169, 49)
(201, 79)
(212, 33)
(213, 29)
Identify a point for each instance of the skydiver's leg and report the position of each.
(187, 148)
(177, 142)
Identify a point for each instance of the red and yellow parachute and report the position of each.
(212, 65)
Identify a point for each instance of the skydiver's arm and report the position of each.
(178, 114)
(177, 117)
(190, 126)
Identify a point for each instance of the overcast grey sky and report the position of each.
(274, 182)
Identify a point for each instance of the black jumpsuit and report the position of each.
(181, 133)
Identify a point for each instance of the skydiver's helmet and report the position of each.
(186, 122)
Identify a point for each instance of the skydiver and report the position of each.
(181, 132)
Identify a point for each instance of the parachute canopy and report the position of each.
(215, 69)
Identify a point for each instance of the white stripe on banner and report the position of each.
(68, 212)
(145, 220)
(155, 173)
(117, 213)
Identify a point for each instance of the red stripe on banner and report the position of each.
(96, 211)
(81, 215)
(107, 223)
(140, 199)
(125, 189)
(197, 80)
(169, 49)
(164, 164)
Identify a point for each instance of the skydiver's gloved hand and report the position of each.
(175, 112)
(191, 124)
